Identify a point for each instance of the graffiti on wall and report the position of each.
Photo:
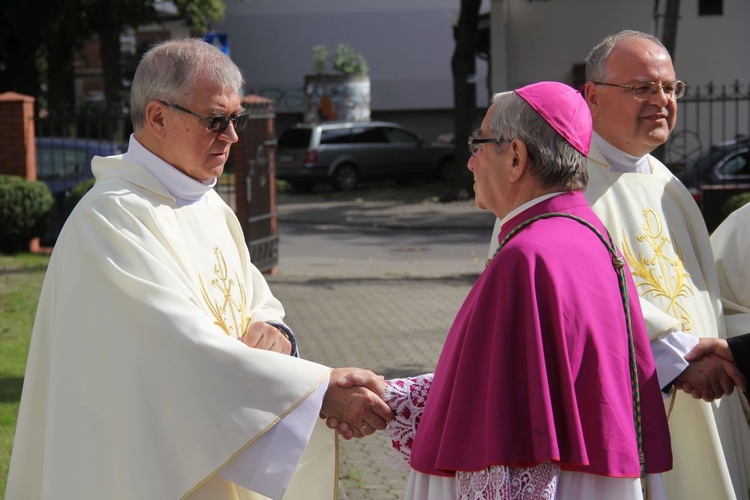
(285, 99)
(337, 97)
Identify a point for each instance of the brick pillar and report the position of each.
(17, 149)
(17, 140)
(255, 183)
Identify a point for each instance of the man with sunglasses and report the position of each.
(160, 366)
(632, 93)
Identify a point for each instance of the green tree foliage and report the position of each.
(198, 14)
(39, 37)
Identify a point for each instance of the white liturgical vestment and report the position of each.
(137, 385)
(659, 229)
(731, 245)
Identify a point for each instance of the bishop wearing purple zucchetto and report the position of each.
(546, 386)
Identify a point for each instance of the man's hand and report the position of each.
(709, 376)
(710, 345)
(357, 378)
(262, 335)
(354, 402)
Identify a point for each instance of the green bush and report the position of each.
(733, 203)
(25, 207)
(75, 194)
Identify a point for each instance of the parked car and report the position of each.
(345, 153)
(726, 164)
(62, 163)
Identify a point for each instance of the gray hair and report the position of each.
(554, 161)
(170, 70)
(596, 61)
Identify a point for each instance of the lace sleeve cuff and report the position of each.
(407, 398)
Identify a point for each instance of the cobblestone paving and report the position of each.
(395, 327)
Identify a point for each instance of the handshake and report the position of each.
(712, 372)
(353, 403)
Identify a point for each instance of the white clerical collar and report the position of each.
(619, 160)
(526, 205)
(185, 189)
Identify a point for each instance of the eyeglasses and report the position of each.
(474, 143)
(217, 123)
(646, 91)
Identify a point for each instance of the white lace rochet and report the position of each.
(407, 398)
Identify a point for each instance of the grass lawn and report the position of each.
(20, 282)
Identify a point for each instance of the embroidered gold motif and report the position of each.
(660, 275)
(228, 310)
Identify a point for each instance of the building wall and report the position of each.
(408, 46)
(543, 40)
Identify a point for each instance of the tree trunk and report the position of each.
(21, 41)
(109, 35)
(60, 75)
(109, 29)
(669, 29)
(463, 65)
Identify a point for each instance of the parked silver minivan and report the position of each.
(344, 153)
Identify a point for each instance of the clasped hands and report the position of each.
(353, 404)
(265, 336)
(712, 372)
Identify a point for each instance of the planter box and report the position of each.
(335, 97)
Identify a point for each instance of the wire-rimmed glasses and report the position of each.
(475, 142)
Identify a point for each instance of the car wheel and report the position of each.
(345, 177)
(445, 168)
(302, 186)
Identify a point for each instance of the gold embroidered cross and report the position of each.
(660, 275)
(228, 311)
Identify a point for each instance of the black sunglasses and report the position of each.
(218, 123)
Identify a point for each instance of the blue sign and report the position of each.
(220, 40)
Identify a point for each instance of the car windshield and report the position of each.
(699, 166)
(295, 138)
(60, 163)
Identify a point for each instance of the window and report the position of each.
(736, 165)
(336, 136)
(710, 7)
(368, 135)
(396, 135)
(60, 162)
(295, 138)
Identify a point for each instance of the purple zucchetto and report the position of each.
(564, 108)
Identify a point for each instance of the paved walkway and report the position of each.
(358, 316)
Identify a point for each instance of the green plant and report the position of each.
(345, 60)
(25, 207)
(75, 194)
(320, 58)
(733, 203)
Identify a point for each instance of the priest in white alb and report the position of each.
(160, 366)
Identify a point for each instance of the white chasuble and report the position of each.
(673, 268)
(137, 385)
(731, 245)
